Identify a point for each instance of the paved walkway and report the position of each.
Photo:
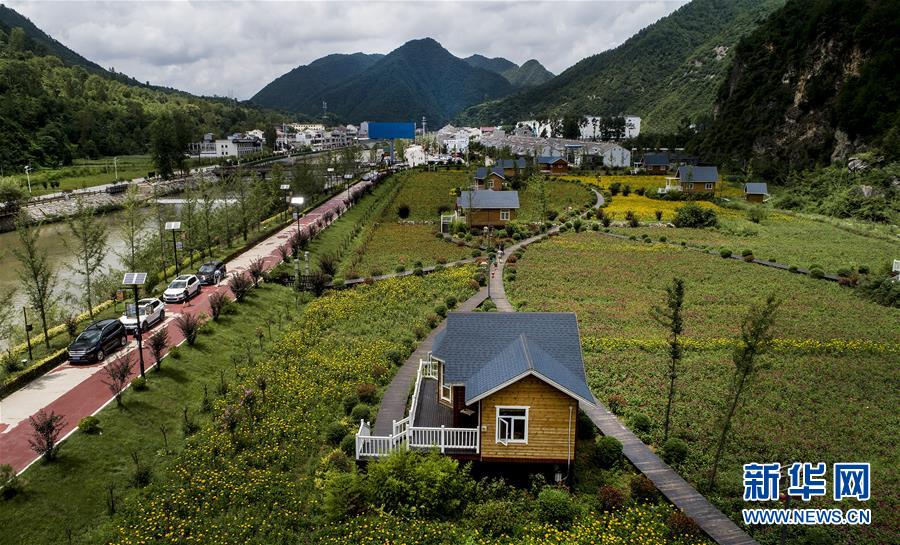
(76, 391)
(678, 491)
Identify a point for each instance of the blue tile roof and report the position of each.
(510, 163)
(698, 174)
(485, 350)
(550, 159)
(482, 172)
(756, 188)
(656, 159)
(486, 199)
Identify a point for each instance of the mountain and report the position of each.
(419, 78)
(529, 74)
(54, 109)
(298, 89)
(40, 42)
(815, 82)
(497, 64)
(668, 71)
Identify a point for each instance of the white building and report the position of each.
(414, 155)
(236, 145)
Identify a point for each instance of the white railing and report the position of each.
(404, 433)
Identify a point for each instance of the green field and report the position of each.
(829, 393)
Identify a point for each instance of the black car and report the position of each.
(98, 340)
(211, 272)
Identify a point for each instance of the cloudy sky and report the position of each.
(233, 48)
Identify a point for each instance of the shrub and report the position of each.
(692, 215)
(756, 214)
(432, 321)
(496, 517)
(399, 269)
(863, 269)
(555, 506)
(345, 495)
(427, 485)
(585, 427)
(45, 433)
(674, 451)
(139, 384)
(595, 227)
(450, 302)
(643, 489)
(608, 452)
(336, 431)
(615, 403)
(348, 445)
(328, 264)
(746, 252)
(725, 253)
(640, 191)
(367, 392)
(10, 485)
(403, 211)
(792, 268)
(663, 238)
(440, 310)
(89, 425)
(418, 271)
(658, 215)
(188, 325)
(476, 253)
(626, 190)
(641, 423)
(614, 188)
(217, 303)
(142, 473)
(360, 412)
(682, 525)
(610, 498)
(337, 460)
(816, 272)
(240, 285)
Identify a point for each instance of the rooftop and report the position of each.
(487, 199)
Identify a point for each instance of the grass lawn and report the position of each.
(71, 492)
(425, 192)
(829, 393)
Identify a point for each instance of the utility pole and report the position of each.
(27, 332)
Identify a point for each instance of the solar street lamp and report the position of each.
(298, 203)
(174, 226)
(28, 177)
(135, 281)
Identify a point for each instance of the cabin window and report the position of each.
(689, 185)
(709, 186)
(504, 215)
(512, 425)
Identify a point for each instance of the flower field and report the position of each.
(250, 477)
(828, 392)
(561, 195)
(645, 208)
(393, 244)
(651, 183)
(425, 192)
(640, 525)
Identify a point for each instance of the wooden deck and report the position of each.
(393, 402)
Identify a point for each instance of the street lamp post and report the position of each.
(135, 281)
(298, 203)
(286, 189)
(28, 177)
(27, 332)
(116, 167)
(174, 226)
(306, 258)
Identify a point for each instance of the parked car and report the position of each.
(152, 312)
(97, 340)
(211, 272)
(182, 288)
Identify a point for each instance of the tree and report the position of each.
(242, 193)
(6, 320)
(158, 343)
(45, 433)
(117, 374)
(170, 135)
(11, 196)
(207, 203)
(756, 338)
(571, 127)
(89, 247)
(670, 318)
(132, 225)
(37, 274)
(270, 135)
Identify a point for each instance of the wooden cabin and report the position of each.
(694, 179)
(655, 163)
(756, 192)
(497, 388)
(512, 167)
(492, 179)
(553, 165)
(488, 208)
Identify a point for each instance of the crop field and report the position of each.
(561, 195)
(426, 192)
(645, 208)
(651, 183)
(827, 392)
(785, 238)
(395, 244)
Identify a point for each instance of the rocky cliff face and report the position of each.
(811, 85)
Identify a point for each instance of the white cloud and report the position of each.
(235, 48)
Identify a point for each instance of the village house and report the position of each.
(756, 192)
(489, 179)
(655, 163)
(497, 387)
(694, 179)
(512, 167)
(553, 164)
(488, 208)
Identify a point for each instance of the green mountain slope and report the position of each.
(668, 71)
(816, 81)
(40, 42)
(496, 64)
(297, 90)
(420, 78)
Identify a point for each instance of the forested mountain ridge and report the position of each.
(815, 82)
(299, 90)
(531, 72)
(52, 112)
(36, 40)
(665, 73)
(419, 78)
